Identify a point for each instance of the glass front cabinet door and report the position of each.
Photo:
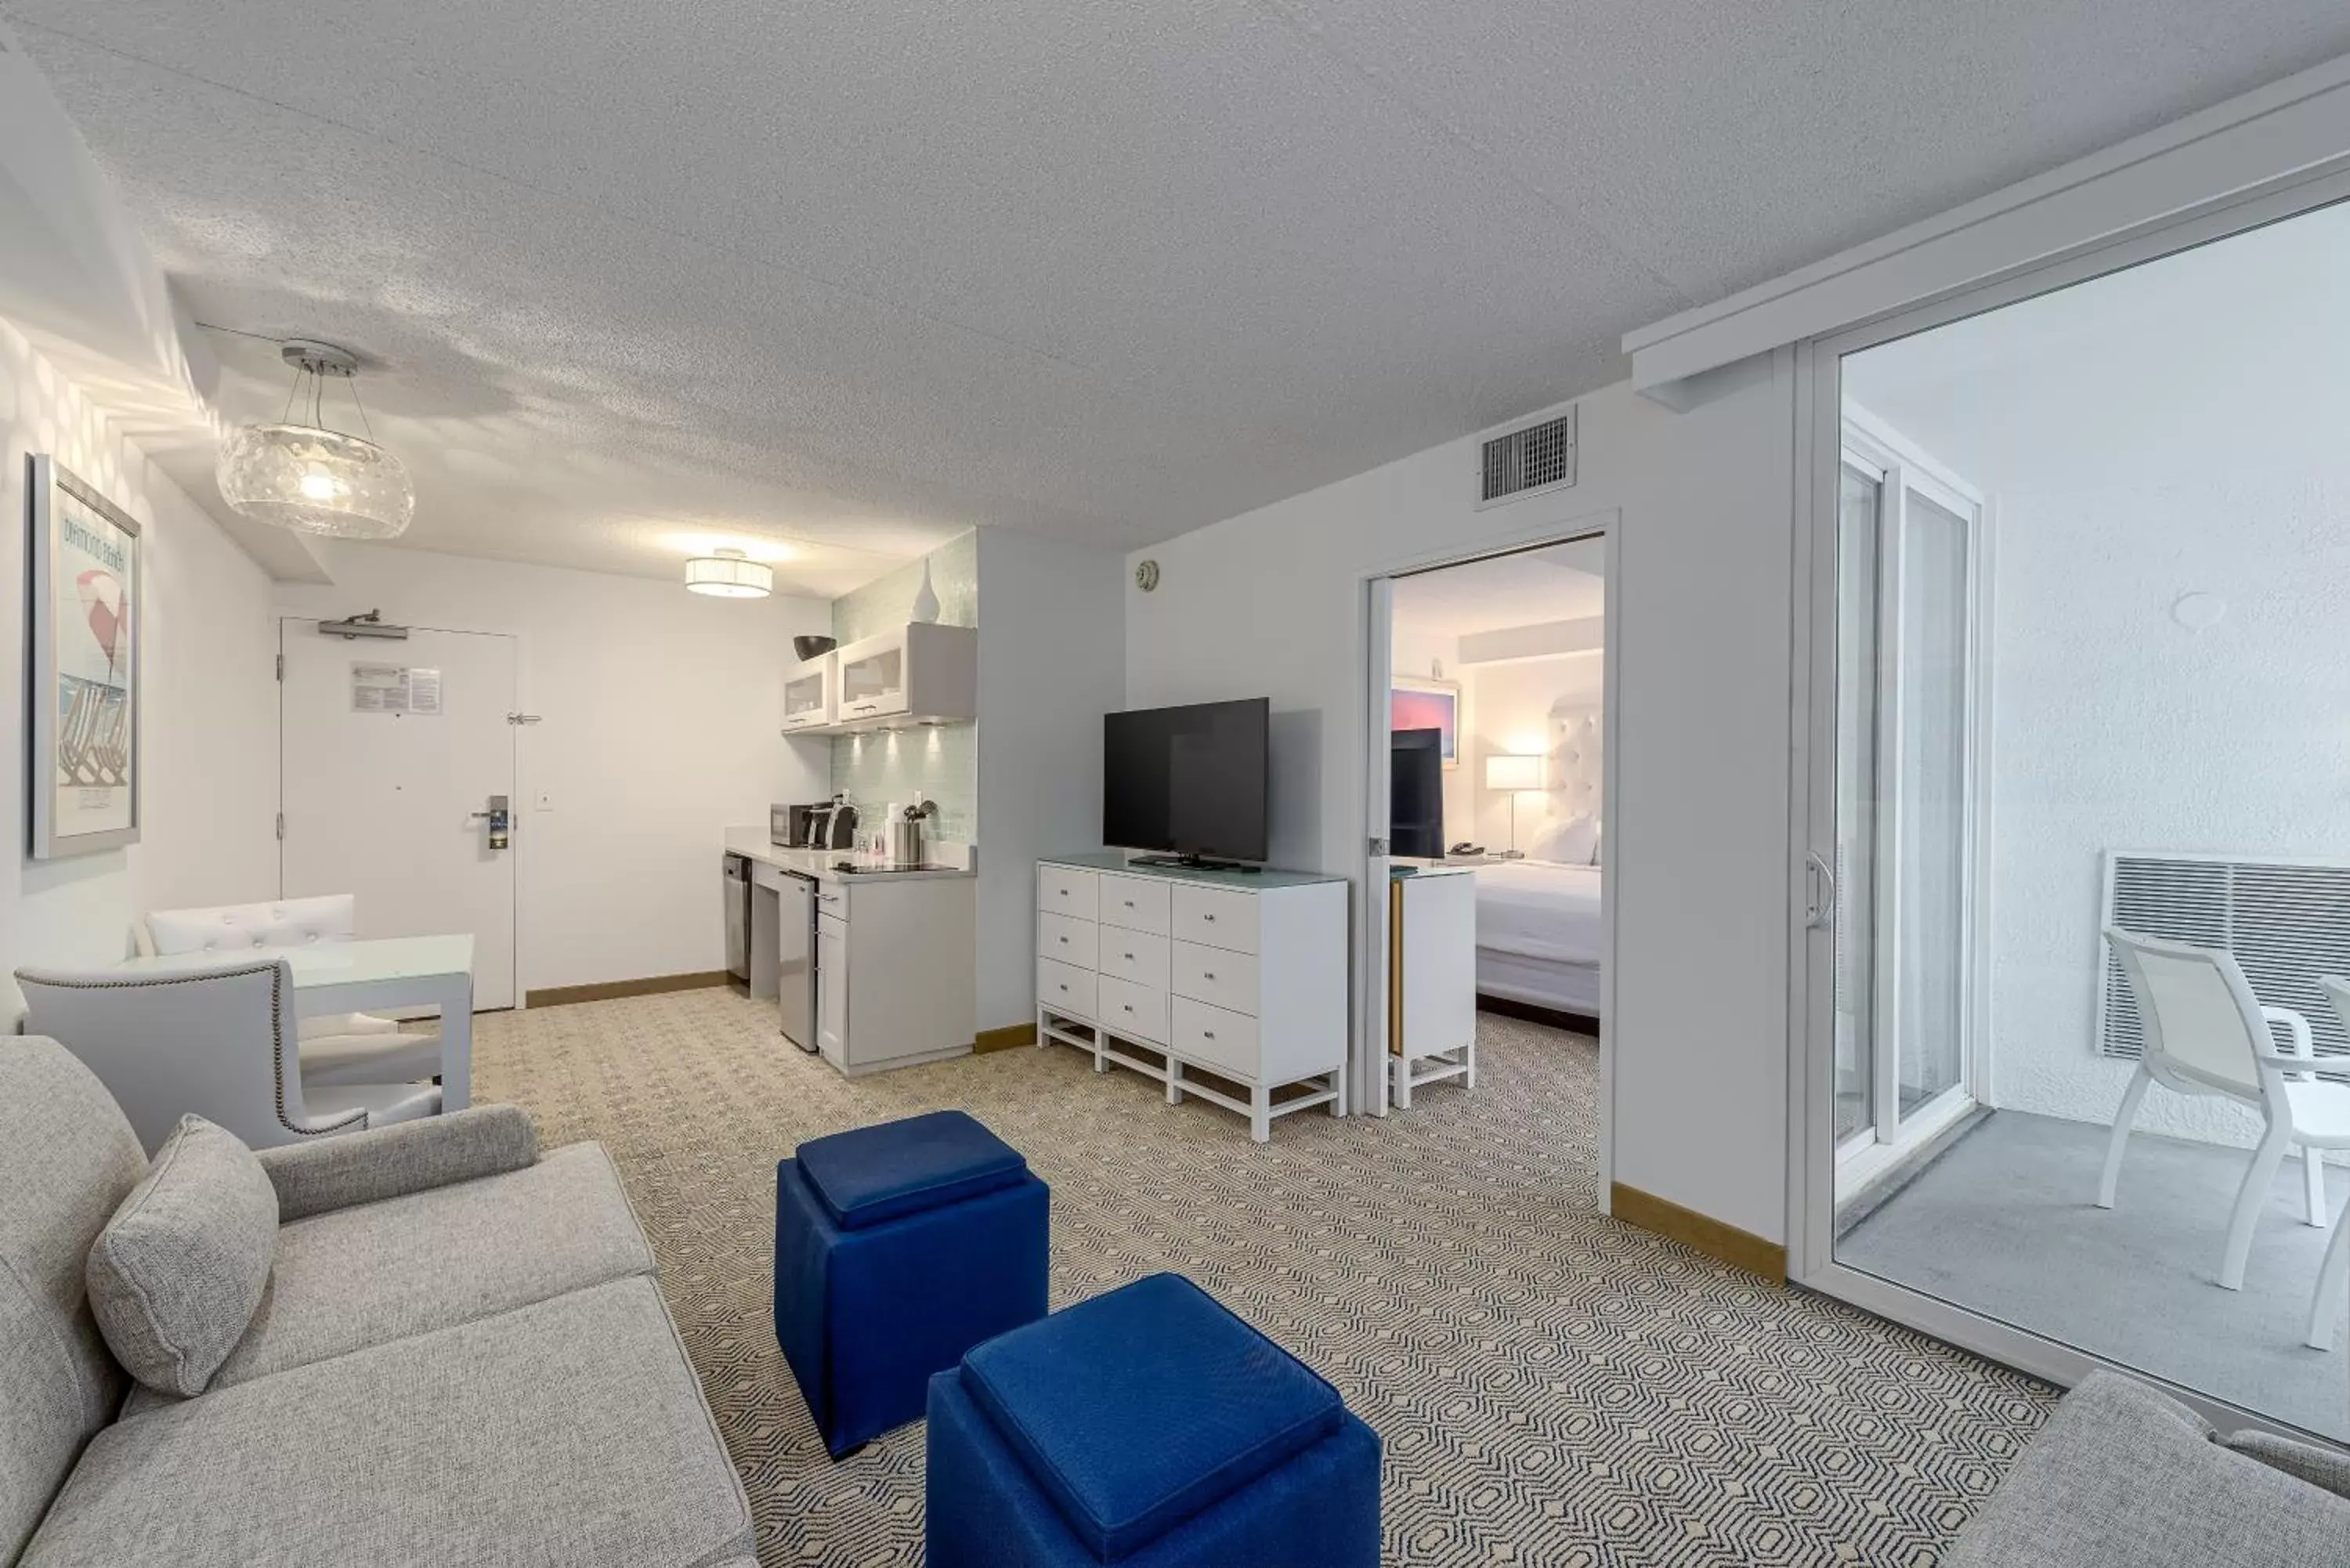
(808, 694)
(873, 676)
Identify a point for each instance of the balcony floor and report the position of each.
(2004, 1223)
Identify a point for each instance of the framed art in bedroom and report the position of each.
(85, 573)
(1428, 705)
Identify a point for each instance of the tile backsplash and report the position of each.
(894, 767)
(939, 765)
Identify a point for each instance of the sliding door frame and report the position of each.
(1901, 470)
(1819, 450)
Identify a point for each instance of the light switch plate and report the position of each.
(542, 800)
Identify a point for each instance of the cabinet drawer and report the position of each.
(1066, 891)
(832, 901)
(1136, 903)
(1070, 942)
(1228, 980)
(1216, 918)
(1126, 1008)
(1135, 956)
(1064, 988)
(1220, 1041)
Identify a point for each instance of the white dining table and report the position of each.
(370, 975)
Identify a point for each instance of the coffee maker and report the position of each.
(835, 826)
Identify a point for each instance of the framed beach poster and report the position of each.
(86, 584)
(1428, 705)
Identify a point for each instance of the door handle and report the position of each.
(500, 817)
(1819, 893)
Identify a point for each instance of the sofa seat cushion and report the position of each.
(1137, 1409)
(571, 1432)
(869, 1176)
(176, 1274)
(375, 1272)
(2123, 1476)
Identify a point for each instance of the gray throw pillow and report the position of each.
(176, 1274)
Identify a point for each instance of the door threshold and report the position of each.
(1875, 1172)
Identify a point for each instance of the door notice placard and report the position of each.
(394, 688)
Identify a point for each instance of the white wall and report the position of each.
(1414, 650)
(2176, 429)
(660, 713)
(1514, 704)
(1272, 603)
(208, 716)
(1052, 637)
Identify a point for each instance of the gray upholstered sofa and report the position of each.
(461, 1358)
(2124, 1477)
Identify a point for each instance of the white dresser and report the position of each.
(1228, 985)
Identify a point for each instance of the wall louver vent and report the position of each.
(1539, 457)
(2286, 924)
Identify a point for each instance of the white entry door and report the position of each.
(389, 754)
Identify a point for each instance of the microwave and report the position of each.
(822, 824)
(794, 827)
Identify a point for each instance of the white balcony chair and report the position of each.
(2205, 1033)
(213, 1042)
(2333, 1275)
(339, 1049)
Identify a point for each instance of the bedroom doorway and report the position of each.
(1487, 712)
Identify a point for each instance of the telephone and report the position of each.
(1465, 847)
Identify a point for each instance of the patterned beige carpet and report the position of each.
(1554, 1387)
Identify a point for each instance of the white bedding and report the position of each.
(1538, 910)
(1561, 987)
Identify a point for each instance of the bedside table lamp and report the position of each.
(1516, 774)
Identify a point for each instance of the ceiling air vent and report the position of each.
(1539, 457)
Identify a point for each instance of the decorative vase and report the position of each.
(926, 600)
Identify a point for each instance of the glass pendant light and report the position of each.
(729, 574)
(308, 477)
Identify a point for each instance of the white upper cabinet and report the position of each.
(915, 674)
(811, 695)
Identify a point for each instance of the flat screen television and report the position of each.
(1415, 794)
(1188, 783)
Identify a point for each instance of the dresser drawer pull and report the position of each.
(1206, 974)
(1063, 940)
(1128, 903)
(1209, 919)
(1129, 958)
(1207, 1034)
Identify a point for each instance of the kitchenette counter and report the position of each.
(753, 844)
(871, 967)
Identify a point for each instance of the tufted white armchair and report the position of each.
(339, 1049)
(213, 1042)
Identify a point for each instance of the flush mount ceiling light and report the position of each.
(308, 477)
(729, 574)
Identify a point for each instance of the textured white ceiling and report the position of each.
(857, 276)
(1564, 582)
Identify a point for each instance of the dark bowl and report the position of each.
(813, 646)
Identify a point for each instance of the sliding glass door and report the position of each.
(1909, 607)
(2071, 692)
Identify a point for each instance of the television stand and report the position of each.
(1192, 863)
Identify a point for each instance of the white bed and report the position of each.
(1538, 934)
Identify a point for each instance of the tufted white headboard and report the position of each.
(1575, 756)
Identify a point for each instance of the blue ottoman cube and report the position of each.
(898, 1248)
(1148, 1426)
